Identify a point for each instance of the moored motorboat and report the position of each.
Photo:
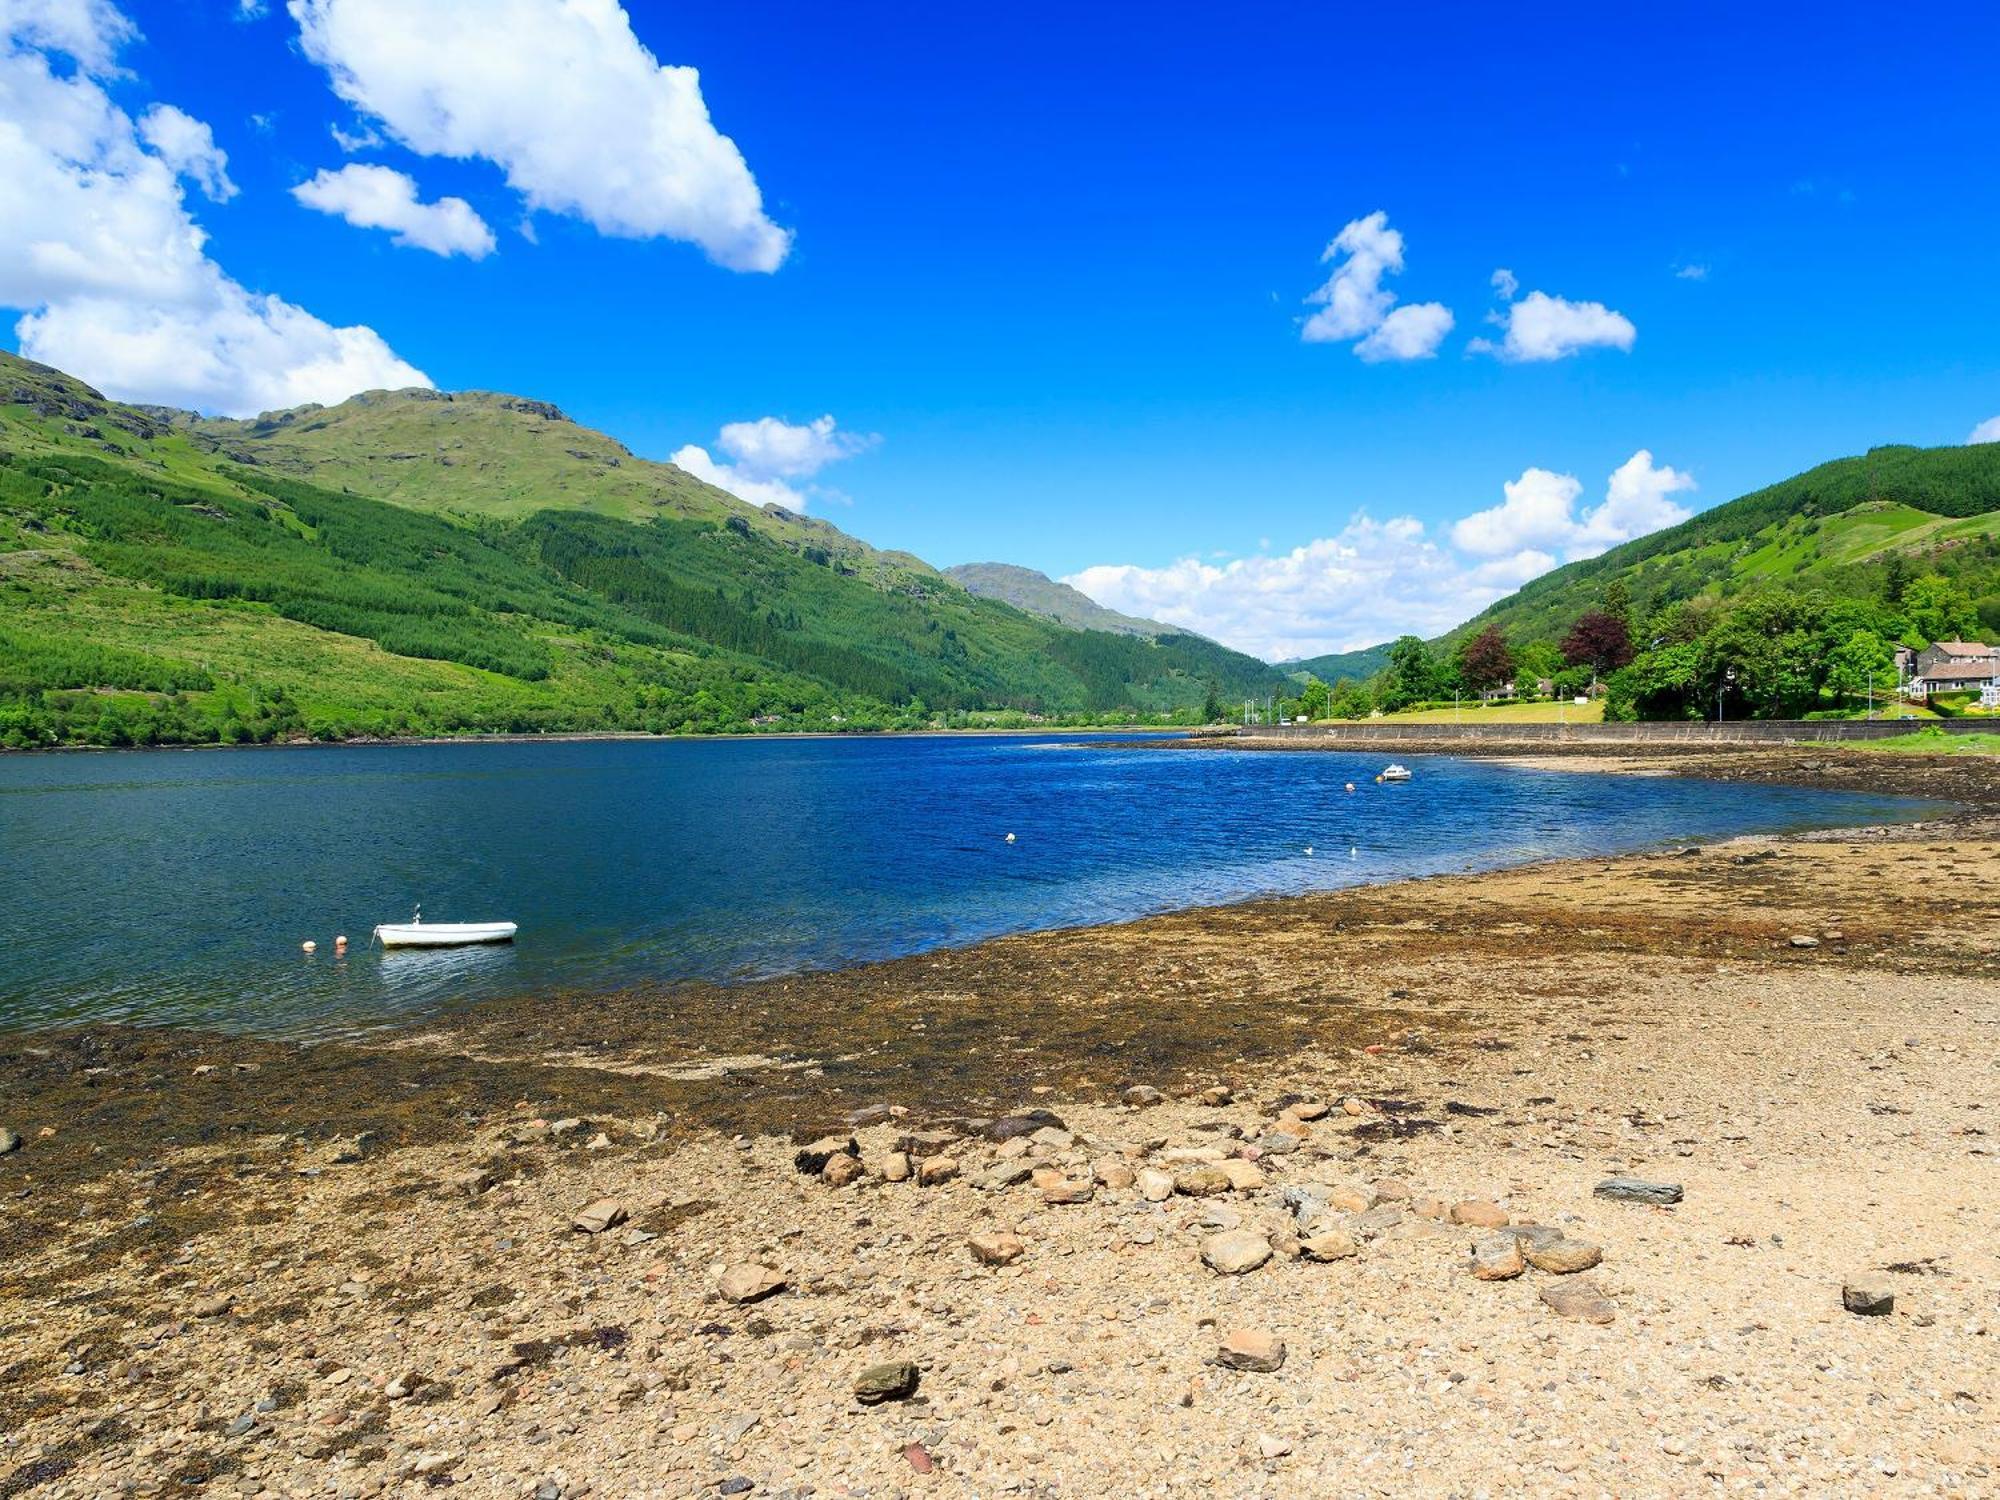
(417, 933)
(1393, 772)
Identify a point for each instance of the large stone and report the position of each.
(1005, 1175)
(1069, 1190)
(1307, 1109)
(749, 1282)
(1562, 1257)
(1535, 1234)
(1144, 1096)
(1351, 1198)
(1638, 1190)
(1478, 1213)
(1277, 1143)
(1868, 1295)
(1333, 1244)
(1235, 1251)
(1497, 1257)
(1579, 1297)
(1251, 1349)
(841, 1169)
(1243, 1176)
(1007, 1127)
(1393, 1190)
(921, 1143)
(595, 1218)
(997, 1248)
(1113, 1172)
(811, 1160)
(1378, 1220)
(1156, 1186)
(935, 1169)
(1201, 1182)
(893, 1166)
(893, 1380)
(9, 1140)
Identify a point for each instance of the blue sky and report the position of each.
(1048, 267)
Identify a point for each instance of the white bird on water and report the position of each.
(1309, 850)
(1010, 838)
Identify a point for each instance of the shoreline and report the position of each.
(248, 1261)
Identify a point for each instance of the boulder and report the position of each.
(1243, 1176)
(1579, 1297)
(595, 1218)
(1201, 1182)
(936, 1169)
(1251, 1349)
(1497, 1257)
(1144, 1096)
(841, 1169)
(749, 1282)
(1638, 1190)
(1113, 1173)
(1334, 1244)
(1235, 1251)
(1868, 1295)
(1156, 1186)
(893, 1380)
(1562, 1257)
(1007, 1127)
(1477, 1213)
(811, 1160)
(997, 1248)
(894, 1166)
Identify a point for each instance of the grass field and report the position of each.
(1936, 742)
(1504, 713)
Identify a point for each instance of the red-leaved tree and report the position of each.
(1486, 660)
(1599, 641)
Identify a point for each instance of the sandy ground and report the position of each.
(351, 1270)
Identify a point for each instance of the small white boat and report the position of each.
(417, 933)
(1394, 773)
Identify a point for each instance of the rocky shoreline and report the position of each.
(1647, 1176)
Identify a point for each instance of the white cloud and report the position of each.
(383, 198)
(1375, 580)
(99, 251)
(1541, 327)
(252, 10)
(1692, 272)
(1986, 432)
(564, 98)
(188, 146)
(1539, 515)
(1506, 284)
(770, 456)
(1412, 331)
(1353, 303)
(351, 141)
(91, 31)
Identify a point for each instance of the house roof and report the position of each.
(1962, 648)
(1963, 671)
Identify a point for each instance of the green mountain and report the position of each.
(1834, 526)
(165, 578)
(1039, 594)
(1358, 666)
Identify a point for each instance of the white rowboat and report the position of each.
(417, 933)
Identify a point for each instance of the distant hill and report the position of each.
(1358, 665)
(1039, 594)
(169, 579)
(1839, 521)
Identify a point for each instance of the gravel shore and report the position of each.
(1297, 1197)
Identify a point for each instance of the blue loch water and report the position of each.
(178, 886)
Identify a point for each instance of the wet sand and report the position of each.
(226, 1259)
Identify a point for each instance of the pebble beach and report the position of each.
(1662, 1175)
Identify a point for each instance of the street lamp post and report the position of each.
(1728, 681)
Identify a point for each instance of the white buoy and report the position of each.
(1010, 838)
(341, 941)
(1350, 786)
(308, 946)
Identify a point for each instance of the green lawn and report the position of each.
(1936, 742)
(1504, 713)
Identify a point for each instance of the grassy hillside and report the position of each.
(1851, 513)
(153, 587)
(1357, 665)
(1039, 594)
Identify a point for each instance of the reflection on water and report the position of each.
(178, 886)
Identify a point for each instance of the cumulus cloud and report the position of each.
(768, 459)
(188, 146)
(1538, 512)
(564, 99)
(383, 198)
(1694, 271)
(1540, 327)
(1354, 305)
(1378, 579)
(1986, 432)
(91, 31)
(1506, 284)
(100, 253)
(1412, 331)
